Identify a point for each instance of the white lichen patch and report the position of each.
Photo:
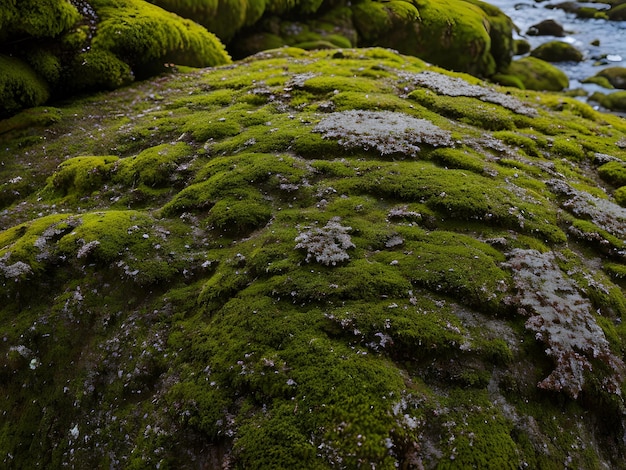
(386, 131)
(14, 271)
(604, 213)
(454, 86)
(562, 319)
(327, 245)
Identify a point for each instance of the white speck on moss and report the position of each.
(386, 131)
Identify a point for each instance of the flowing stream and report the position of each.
(611, 35)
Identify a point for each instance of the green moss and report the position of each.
(613, 101)
(620, 196)
(148, 37)
(480, 436)
(38, 19)
(616, 76)
(80, 176)
(468, 110)
(537, 74)
(31, 118)
(160, 284)
(20, 86)
(154, 167)
(449, 34)
(98, 69)
(557, 51)
(613, 172)
(601, 81)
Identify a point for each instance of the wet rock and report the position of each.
(546, 28)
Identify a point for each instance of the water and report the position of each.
(611, 51)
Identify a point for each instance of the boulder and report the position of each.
(537, 74)
(546, 28)
(313, 260)
(612, 101)
(616, 76)
(472, 37)
(557, 51)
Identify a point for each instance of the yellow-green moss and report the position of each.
(147, 37)
(537, 74)
(20, 86)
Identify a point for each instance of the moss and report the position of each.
(468, 110)
(31, 118)
(99, 69)
(38, 19)
(80, 176)
(537, 74)
(557, 51)
(20, 86)
(148, 37)
(613, 172)
(601, 81)
(438, 32)
(620, 196)
(613, 101)
(154, 167)
(616, 76)
(479, 436)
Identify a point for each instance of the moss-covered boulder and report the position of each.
(463, 35)
(613, 101)
(313, 260)
(557, 51)
(615, 76)
(534, 74)
(57, 49)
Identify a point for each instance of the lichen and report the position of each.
(385, 131)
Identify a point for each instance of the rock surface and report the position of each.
(339, 259)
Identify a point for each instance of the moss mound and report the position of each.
(313, 260)
(557, 51)
(535, 74)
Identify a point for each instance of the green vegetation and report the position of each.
(329, 259)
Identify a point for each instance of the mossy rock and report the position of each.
(37, 19)
(20, 86)
(449, 34)
(147, 37)
(616, 76)
(537, 74)
(557, 51)
(617, 12)
(326, 259)
(614, 172)
(614, 101)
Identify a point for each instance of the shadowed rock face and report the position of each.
(313, 260)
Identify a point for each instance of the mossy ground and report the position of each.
(156, 309)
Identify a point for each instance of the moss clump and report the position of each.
(613, 77)
(537, 74)
(20, 86)
(557, 51)
(613, 101)
(147, 37)
(450, 35)
(620, 196)
(80, 176)
(613, 172)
